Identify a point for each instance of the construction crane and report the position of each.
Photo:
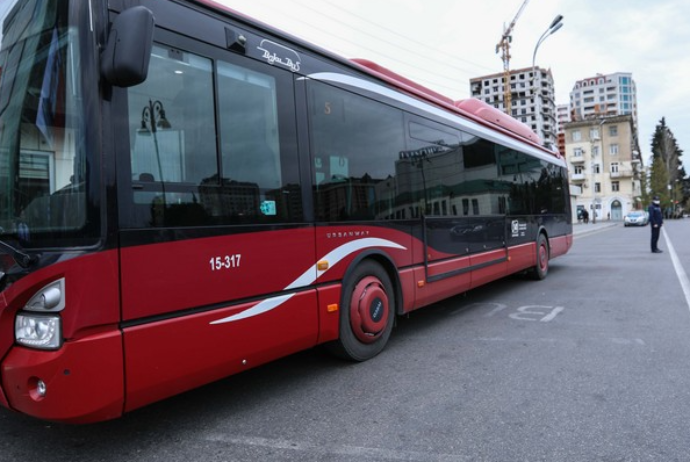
(504, 47)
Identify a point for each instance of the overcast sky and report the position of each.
(443, 43)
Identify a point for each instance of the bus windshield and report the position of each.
(42, 160)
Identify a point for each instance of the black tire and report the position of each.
(541, 269)
(367, 312)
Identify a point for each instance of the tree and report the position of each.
(667, 173)
(658, 181)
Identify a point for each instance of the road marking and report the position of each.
(680, 272)
(561, 340)
(363, 453)
(542, 313)
(591, 232)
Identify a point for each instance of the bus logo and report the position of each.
(280, 55)
(515, 228)
(518, 229)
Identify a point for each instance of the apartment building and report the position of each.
(604, 95)
(532, 98)
(604, 166)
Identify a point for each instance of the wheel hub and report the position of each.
(369, 310)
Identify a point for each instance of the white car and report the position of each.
(636, 218)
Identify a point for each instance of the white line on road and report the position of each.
(680, 271)
(328, 451)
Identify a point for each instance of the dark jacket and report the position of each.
(655, 215)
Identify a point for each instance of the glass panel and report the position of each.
(172, 122)
(42, 132)
(252, 177)
(356, 149)
(172, 139)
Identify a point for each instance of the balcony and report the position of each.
(623, 173)
(577, 177)
(576, 160)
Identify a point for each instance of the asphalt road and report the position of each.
(589, 365)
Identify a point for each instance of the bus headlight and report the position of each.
(38, 331)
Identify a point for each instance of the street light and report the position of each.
(599, 138)
(152, 120)
(555, 25)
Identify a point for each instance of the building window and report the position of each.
(577, 152)
(597, 187)
(613, 149)
(613, 130)
(615, 186)
(595, 150)
(614, 167)
(596, 168)
(594, 134)
(577, 136)
(578, 170)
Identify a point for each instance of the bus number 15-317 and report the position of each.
(225, 262)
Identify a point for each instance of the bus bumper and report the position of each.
(82, 382)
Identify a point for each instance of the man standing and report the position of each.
(656, 219)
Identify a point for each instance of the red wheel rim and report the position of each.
(369, 309)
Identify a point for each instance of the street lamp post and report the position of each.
(153, 119)
(595, 141)
(594, 182)
(555, 25)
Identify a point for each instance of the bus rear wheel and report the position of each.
(367, 312)
(541, 269)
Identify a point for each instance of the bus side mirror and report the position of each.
(125, 60)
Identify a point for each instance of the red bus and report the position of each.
(186, 193)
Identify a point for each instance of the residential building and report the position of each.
(604, 165)
(562, 117)
(532, 98)
(604, 95)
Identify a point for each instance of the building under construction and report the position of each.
(532, 98)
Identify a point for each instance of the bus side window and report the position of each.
(172, 140)
(179, 175)
(356, 144)
(249, 126)
(258, 149)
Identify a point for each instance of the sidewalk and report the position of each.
(580, 229)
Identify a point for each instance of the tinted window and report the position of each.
(356, 145)
(432, 168)
(536, 186)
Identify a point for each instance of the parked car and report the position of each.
(636, 218)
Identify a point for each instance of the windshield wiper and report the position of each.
(23, 259)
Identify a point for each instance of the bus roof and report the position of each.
(470, 108)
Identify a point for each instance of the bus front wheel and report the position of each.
(367, 312)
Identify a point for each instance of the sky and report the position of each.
(442, 44)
